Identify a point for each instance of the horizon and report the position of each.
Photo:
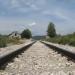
(17, 15)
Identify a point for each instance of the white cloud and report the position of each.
(62, 14)
(41, 2)
(47, 12)
(22, 6)
(14, 3)
(34, 7)
(36, 10)
(32, 24)
(23, 10)
(58, 13)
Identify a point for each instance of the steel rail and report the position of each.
(66, 52)
(8, 56)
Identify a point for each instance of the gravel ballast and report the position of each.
(39, 60)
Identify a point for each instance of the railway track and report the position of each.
(61, 49)
(10, 54)
(39, 60)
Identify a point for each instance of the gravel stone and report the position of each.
(39, 60)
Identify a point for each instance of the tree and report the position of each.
(26, 34)
(51, 32)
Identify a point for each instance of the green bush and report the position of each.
(3, 42)
(26, 34)
(72, 42)
(64, 40)
(13, 41)
(67, 39)
(54, 40)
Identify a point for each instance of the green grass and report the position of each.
(13, 41)
(66, 39)
(5, 41)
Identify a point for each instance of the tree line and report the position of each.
(52, 36)
(51, 32)
(68, 39)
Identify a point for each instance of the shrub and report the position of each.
(26, 34)
(72, 42)
(64, 40)
(13, 41)
(67, 39)
(3, 42)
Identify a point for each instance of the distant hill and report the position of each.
(38, 37)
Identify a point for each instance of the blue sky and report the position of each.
(16, 15)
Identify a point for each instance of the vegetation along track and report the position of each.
(39, 60)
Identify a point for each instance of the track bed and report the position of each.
(39, 60)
